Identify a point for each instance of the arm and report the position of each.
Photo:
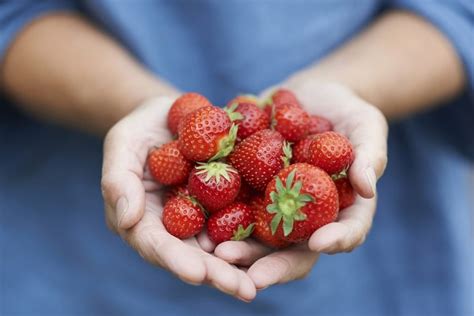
(62, 69)
(402, 64)
(385, 67)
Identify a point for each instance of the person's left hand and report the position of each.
(367, 129)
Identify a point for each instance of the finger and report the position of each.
(124, 197)
(156, 246)
(229, 279)
(204, 242)
(182, 258)
(242, 253)
(348, 232)
(282, 266)
(368, 134)
(125, 151)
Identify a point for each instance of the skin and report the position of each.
(384, 72)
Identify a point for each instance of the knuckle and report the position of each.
(110, 225)
(381, 160)
(279, 265)
(379, 116)
(362, 240)
(107, 186)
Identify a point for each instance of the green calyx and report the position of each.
(287, 202)
(233, 115)
(241, 233)
(226, 144)
(340, 175)
(216, 170)
(287, 153)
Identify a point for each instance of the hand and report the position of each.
(367, 129)
(133, 205)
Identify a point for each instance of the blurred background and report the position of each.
(57, 256)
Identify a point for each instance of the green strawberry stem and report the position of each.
(287, 202)
(288, 154)
(340, 175)
(215, 170)
(233, 115)
(226, 144)
(241, 233)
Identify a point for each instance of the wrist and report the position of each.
(137, 93)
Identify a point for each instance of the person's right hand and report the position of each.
(133, 205)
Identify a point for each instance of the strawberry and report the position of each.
(262, 231)
(259, 157)
(291, 121)
(331, 152)
(318, 124)
(249, 118)
(305, 202)
(279, 97)
(183, 217)
(235, 222)
(167, 165)
(282, 96)
(184, 105)
(206, 134)
(301, 149)
(215, 185)
(244, 98)
(345, 192)
(171, 192)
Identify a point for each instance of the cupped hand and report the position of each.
(133, 205)
(367, 129)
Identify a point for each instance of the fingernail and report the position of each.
(371, 178)
(243, 299)
(263, 288)
(121, 208)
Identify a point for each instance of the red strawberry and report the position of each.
(243, 98)
(301, 149)
(279, 97)
(249, 117)
(282, 96)
(291, 121)
(345, 191)
(318, 124)
(262, 231)
(183, 217)
(331, 152)
(206, 133)
(235, 222)
(258, 158)
(215, 185)
(171, 192)
(184, 105)
(301, 198)
(245, 193)
(168, 166)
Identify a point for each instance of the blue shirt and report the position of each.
(57, 256)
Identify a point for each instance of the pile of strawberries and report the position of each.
(263, 169)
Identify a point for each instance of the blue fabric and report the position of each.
(57, 257)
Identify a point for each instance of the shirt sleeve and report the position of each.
(16, 14)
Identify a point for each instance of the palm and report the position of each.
(125, 154)
(367, 129)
